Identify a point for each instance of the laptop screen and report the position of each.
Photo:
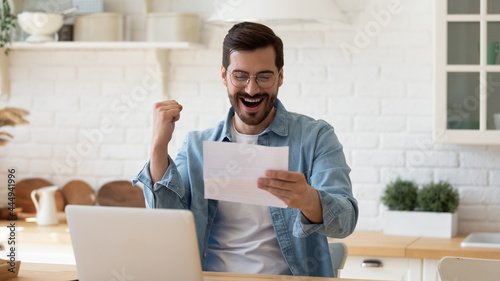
(119, 243)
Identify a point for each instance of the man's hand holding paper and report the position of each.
(231, 171)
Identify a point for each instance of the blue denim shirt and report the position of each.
(314, 150)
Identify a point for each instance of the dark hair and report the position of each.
(249, 36)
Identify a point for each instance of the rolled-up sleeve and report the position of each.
(329, 175)
(169, 192)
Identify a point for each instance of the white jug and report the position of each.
(46, 212)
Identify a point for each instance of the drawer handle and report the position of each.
(371, 263)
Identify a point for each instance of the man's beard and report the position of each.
(252, 118)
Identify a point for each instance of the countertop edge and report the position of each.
(375, 243)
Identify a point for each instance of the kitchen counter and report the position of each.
(34, 244)
(53, 245)
(375, 243)
(29, 232)
(360, 243)
(64, 272)
(436, 248)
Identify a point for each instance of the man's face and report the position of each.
(252, 102)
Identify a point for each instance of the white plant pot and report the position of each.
(416, 223)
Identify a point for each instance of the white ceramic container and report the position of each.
(173, 27)
(417, 223)
(99, 27)
(40, 26)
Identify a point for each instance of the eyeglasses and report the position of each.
(265, 80)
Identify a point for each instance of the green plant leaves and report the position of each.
(438, 197)
(7, 25)
(400, 195)
(433, 197)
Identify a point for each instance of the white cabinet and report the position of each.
(429, 272)
(382, 268)
(467, 74)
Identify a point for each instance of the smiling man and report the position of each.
(252, 96)
(236, 237)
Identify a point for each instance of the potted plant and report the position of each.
(400, 195)
(432, 215)
(438, 197)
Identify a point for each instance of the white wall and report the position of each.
(380, 100)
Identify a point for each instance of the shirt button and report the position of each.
(205, 255)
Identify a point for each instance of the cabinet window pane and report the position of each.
(493, 101)
(463, 43)
(463, 6)
(493, 7)
(463, 100)
(493, 42)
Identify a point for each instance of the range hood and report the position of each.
(276, 11)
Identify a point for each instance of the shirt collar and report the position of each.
(279, 125)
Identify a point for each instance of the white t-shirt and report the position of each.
(242, 238)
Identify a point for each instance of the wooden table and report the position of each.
(56, 240)
(375, 243)
(360, 243)
(436, 248)
(64, 272)
(28, 233)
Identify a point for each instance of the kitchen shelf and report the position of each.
(161, 49)
(105, 45)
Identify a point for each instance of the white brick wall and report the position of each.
(379, 100)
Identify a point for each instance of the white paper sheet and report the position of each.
(231, 170)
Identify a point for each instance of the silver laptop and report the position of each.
(133, 244)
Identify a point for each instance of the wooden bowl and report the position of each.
(120, 193)
(77, 192)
